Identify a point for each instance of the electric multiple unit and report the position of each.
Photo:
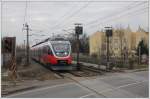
(54, 53)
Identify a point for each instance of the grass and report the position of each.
(140, 66)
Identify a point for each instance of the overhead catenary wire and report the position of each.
(61, 22)
(65, 17)
(70, 16)
(125, 9)
(114, 19)
(75, 0)
(114, 14)
(137, 12)
(25, 14)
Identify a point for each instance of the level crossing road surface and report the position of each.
(115, 85)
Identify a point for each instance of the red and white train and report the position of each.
(54, 53)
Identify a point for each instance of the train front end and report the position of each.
(61, 55)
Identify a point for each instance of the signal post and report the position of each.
(9, 47)
(108, 31)
(78, 31)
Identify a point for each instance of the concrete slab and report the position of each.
(140, 89)
(93, 96)
(118, 81)
(138, 76)
(118, 93)
(122, 86)
(125, 85)
(97, 85)
(64, 91)
(144, 74)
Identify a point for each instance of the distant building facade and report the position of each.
(123, 41)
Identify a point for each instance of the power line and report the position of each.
(114, 17)
(25, 15)
(128, 14)
(75, 0)
(63, 16)
(67, 18)
(114, 14)
(136, 12)
(121, 11)
(74, 13)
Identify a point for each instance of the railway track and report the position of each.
(93, 69)
(71, 74)
(85, 71)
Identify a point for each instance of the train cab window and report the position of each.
(49, 51)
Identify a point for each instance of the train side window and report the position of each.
(45, 49)
(39, 51)
(35, 52)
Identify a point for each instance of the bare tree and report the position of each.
(123, 46)
(121, 35)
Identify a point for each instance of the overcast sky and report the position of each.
(52, 17)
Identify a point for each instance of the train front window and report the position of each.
(61, 50)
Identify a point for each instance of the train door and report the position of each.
(44, 54)
(48, 54)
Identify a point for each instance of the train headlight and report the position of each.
(57, 53)
(65, 53)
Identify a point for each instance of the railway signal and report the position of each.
(7, 45)
(9, 48)
(78, 31)
(108, 35)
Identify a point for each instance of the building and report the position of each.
(95, 42)
(123, 41)
(139, 35)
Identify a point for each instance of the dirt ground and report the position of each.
(26, 75)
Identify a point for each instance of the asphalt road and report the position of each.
(116, 85)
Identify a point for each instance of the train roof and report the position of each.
(52, 40)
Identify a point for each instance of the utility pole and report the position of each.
(24, 47)
(27, 45)
(78, 31)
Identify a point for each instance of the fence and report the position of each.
(119, 62)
